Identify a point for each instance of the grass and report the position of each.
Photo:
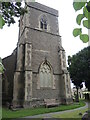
(6, 113)
(73, 115)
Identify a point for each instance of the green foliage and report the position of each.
(85, 12)
(72, 115)
(85, 6)
(86, 24)
(6, 113)
(84, 38)
(1, 66)
(77, 32)
(79, 18)
(78, 5)
(10, 10)
(2, 22)
(79, 67)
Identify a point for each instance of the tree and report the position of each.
(74, 72)
(79, 68)
(1, 67)
(10, 10)
(87, 77)
(84, 18)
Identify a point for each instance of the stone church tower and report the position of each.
(41, 71)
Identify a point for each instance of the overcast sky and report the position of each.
(67, 16)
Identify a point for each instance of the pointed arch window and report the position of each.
(45, 76)
(43, 22)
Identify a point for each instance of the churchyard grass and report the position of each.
(75, 114)
(7, 113)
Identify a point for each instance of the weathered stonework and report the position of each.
(41, 71)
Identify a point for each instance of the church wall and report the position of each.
(34, 72)
(35, 20)
(43, 8)
(44, 46)
(39, 47)
(18, 89)
(8, 76)
(46, 92)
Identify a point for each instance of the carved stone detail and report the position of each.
(45, 77)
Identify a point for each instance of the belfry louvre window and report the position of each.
(43, 22)
(45, 76)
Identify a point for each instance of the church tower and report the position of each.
(41, 71)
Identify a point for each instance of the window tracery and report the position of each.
(46, 79)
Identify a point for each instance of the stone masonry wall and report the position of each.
(7, 87)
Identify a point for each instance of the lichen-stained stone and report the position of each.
(28, 56)
(39, 68)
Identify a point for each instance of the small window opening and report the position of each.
(43, 23)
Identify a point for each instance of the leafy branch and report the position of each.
(1, 67)
(10, 10)
(84, 18)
